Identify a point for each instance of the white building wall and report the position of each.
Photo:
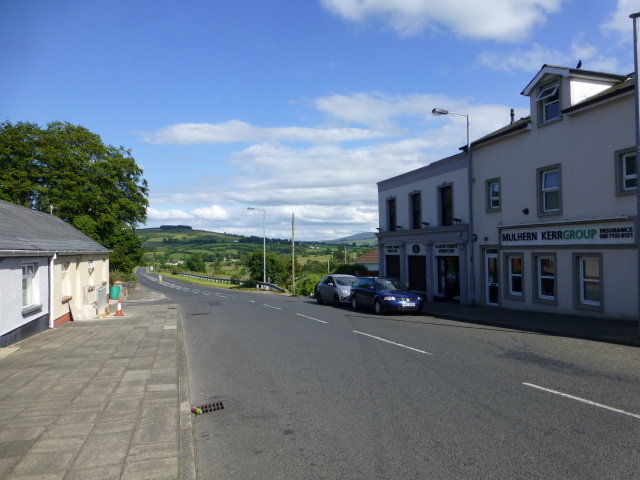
(584, 145)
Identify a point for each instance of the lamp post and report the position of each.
(636, 52)
(264, 243)
(472, 281)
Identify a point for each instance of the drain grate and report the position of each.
(210, 407)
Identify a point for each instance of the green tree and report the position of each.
(194, 263)
(68, 170)
(276, 267)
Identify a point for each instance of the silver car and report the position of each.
(334, 289)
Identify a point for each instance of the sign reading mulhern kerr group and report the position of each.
(611, 233)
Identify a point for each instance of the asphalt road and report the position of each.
(315, 392)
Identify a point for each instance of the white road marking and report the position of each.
(311, 318)
(393, 343)
(589, 402)
(275, 308)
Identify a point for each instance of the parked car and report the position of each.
(335, 289)
(384, 295)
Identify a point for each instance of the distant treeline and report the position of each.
(174, 227)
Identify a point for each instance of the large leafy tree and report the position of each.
(276, 268)
(68, 170)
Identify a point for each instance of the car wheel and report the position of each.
(354, 303)
(336, 301)
(319, 298)
(378, 307)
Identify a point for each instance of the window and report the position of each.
(549, 194)
(549, 103)
(446, 206)
(416, 213)
(66, 290)
(493, 194)
(391, 209)
(545, 278)
(626, 172)
(588, 275)
(514, 274)
(28, 274)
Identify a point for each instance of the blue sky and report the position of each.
(291, 106)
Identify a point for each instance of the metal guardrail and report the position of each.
(215, 279)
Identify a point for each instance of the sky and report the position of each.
(296, 108)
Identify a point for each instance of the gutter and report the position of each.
(46, 253)
(51, 282)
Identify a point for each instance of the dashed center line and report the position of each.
(392, 343)
(270, 306)
(588, 402)
(311, 318)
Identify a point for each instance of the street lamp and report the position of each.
(636, 53)
(472, 282)
(264, 243)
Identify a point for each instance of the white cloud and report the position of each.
(237, 131)
(504, 20)
(619, 23)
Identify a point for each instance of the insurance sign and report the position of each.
(610, 233)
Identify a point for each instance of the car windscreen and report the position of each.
(390, 284)
(345, 281)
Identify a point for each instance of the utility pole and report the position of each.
(293, 254)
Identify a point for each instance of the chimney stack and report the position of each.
(513, 115)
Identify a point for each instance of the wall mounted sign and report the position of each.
(391, 248)
(448, 249)
(416, 249)
(610, 233)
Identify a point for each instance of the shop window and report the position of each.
(549, 103)
(626, 172)
(416, 211)
(446, 206)
(391, 212)
(493, 195)
(545, 281)
(515, 277)
(549, 191)
(588, 285)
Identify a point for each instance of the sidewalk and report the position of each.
(611, 331)
(99, 399)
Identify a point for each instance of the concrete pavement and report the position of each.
(99, 399)
(108, 399)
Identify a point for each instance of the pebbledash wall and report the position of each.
(560, 234)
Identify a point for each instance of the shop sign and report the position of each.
(614, 233)
(448, 249)
(392, 248)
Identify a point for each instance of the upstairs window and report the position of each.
(446, 206)
(416, 212)
(493, 195)
(391, 210)
(549, 103)
(549, 191)
(629, 172)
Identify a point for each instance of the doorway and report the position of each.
(492, 284)
(449, 277)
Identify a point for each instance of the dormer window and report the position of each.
(549, 103)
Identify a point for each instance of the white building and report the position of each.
(554, 207)
(555, 199)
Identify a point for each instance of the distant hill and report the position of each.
(359, 238)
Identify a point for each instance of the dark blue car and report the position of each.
(384, 295)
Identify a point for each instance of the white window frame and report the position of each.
(29, 271)
(544, 191)
(548, 95)
(511, 275)
(539, 278)
(626, 176)
(581, 281)
(64, 268)
(493, 201)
